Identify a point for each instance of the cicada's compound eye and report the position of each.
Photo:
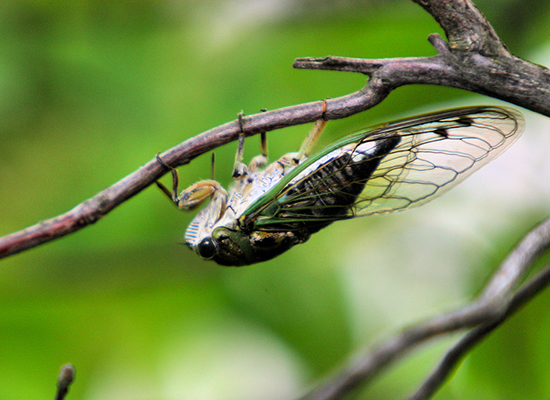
(207, 249)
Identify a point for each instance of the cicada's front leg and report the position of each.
(197, 193)
(194, 195)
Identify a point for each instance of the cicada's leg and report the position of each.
(213, 164)
(172, 195)
(193, 195)
(312, 136)
(263, 143)
(239, 169)
(260, 161)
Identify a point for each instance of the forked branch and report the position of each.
(500, 299)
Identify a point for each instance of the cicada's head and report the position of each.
(226, 247)
(233, 247)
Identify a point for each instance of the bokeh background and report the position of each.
(90, 90)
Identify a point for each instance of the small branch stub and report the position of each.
(66, 378)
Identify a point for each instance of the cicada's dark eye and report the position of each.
(207, 248)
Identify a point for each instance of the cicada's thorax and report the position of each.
(326, 190)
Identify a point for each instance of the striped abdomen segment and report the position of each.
(327, 189)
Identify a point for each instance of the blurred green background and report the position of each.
(91, 90)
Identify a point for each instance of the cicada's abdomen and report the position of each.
(326, 190)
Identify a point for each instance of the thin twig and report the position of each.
(457, 352)
(492, 305)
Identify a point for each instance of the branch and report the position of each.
(473, 60)
(496, 74)
(95, 208)
(496, 303)
(456, 354)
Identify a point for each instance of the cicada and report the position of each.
(393, 167)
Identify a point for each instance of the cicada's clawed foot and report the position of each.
(173, 194)
(194, 195)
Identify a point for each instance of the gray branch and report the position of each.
(457, 352)
(497, 302)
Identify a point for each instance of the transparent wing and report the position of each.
(400, 165)
(435, 156)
